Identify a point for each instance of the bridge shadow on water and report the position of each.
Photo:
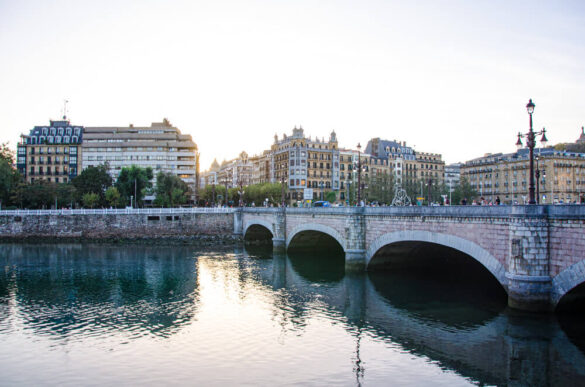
(436, 282)
(570, 313)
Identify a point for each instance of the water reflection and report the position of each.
(95, 289)
(244, 306)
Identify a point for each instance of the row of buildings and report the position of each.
(559, 176)
(312, 167)
(59, 151)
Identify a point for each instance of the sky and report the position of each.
(450, 77)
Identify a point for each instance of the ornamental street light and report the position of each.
(359, 147)
(537, 181)
(282, 200)
(530, 143)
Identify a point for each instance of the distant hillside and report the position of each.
(571, 147)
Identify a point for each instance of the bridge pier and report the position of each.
(279, 237)
(355, 251)
(355, 260)
(528, 274)
(278, 245)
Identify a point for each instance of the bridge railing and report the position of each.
(121, 211)
(503, 211)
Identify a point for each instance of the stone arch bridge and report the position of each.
(537, 253)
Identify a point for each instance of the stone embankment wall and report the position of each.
(216, 227)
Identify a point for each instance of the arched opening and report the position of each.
(316, 256)
(574, 301)
(257, 234)
(571, 315)
(437, 281)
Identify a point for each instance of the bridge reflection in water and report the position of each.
(461, 325)
(72, 292)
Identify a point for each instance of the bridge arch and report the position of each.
(567, 280)
(473, 250)
(258, 222)
(316, 227)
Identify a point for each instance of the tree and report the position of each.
(9, 180)
(113, 197)
(463, 191)
(331, 196)
(6, 153)
(134, 181)
(90, 199)
(170, 190)
(93, 180)
(380, 188)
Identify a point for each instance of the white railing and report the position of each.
(122, 211)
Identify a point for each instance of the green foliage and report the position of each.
(134, 181)
(170, 190)
(380, 188)
(463, 191)
(9, 180)
(258, 193)
(42, 194)
(113, 197)
(93, 180)
(90, 199)
(6, 153)
(331, 196)
(570, 147)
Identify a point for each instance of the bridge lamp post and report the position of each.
(359, 197)
(321, 187)
(530, 143)
(213, 195)
(537, 181)
(282, 200)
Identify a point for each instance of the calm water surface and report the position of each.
(99, 314)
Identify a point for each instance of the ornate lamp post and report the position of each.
(213, 195)
(359, 197)
(282, 200)
(537, 181)
(530, 143)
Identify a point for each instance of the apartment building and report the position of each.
(160, 146)
(51, 152)
(561, 176)
(304, 163)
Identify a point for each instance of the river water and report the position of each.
(165, 315)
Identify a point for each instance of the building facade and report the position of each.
(304, 163)
(160, 146)
(561, 176)
(452, 176)
(51, 152)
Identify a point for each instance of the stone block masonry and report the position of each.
(114, 225)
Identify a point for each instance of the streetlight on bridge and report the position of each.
(530, 143)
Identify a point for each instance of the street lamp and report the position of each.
(429, 185)
(282, 200)
(213, 195)
(537, 181)
(359, 147)
(530, 143)
(321, 186)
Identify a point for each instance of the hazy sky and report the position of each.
(445, 76)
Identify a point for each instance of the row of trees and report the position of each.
(256, 193)
(381, 189)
